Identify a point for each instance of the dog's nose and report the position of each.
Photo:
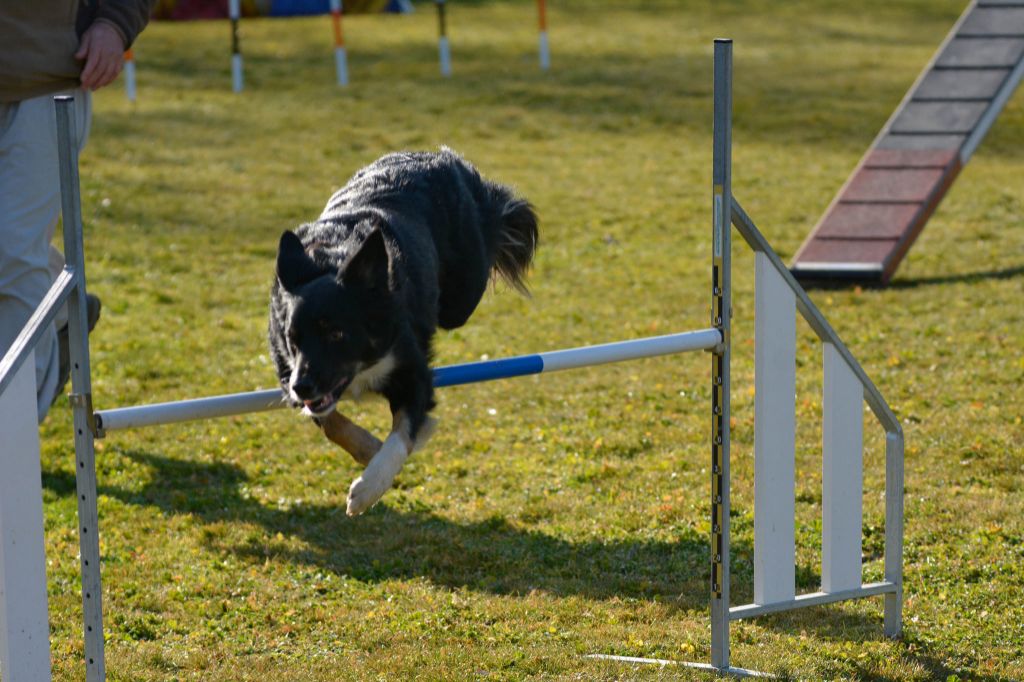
(304, 388)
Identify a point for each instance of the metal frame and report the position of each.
(721, 385)
(726, 210)
(892, 586)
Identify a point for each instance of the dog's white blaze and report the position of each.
(371, 378)
(291, 382)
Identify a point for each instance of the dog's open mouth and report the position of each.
(326, 403)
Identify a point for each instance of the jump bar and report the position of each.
(452, 375)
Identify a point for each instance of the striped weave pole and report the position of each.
(235, 11)
(340, 56)
(129, 75)
(453, 375)
(542, 20)
(443, 49)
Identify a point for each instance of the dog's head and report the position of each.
(337, 320)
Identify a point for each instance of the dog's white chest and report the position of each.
(371, 378)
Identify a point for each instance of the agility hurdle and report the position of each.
(24, 646)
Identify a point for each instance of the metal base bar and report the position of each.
(453, 375)
(811, 599)
(735, 672)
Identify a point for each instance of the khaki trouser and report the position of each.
(29, 209)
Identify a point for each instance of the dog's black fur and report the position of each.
(406, 246)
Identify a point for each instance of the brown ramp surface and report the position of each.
(884, 204)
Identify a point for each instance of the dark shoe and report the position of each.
(92, 316)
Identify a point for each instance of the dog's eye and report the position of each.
(335, 335)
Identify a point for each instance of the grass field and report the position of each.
(549, 517)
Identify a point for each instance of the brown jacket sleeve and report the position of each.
(129, 17)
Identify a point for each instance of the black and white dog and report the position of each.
(406, 246)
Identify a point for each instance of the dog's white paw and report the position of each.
(365, 492)
(378, 476)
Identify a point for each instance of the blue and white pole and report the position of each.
(572, 358)
(452, 375)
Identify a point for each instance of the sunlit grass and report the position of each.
(555, 516)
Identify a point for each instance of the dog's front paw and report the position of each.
(379, 474)
(377, 477)
(364, 493)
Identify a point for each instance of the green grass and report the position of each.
(557, 516)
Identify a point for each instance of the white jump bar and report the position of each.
(452, 375)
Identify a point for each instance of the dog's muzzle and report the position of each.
(324, 404)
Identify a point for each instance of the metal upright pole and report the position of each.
(721, 314)
(893, 623)
(237, 78)
(81, 392)
(444, 50)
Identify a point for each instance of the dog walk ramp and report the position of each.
(876, 216)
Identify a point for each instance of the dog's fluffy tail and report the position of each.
(517, 239)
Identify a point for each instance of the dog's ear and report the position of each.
(368, 267)
(294, 266)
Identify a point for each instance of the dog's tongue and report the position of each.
(314, 404)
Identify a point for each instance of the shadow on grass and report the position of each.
(385, 543)
(915, 282)
(962, 278)
(490, 556)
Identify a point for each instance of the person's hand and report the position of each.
(103, 51)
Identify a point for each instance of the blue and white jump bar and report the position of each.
(452, 375)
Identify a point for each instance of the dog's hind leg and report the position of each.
(381, 471)
(354, 439)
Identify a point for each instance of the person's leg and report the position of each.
(29, 208)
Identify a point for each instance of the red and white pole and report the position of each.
(340, 56)
(545, 50)
(129, 75)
